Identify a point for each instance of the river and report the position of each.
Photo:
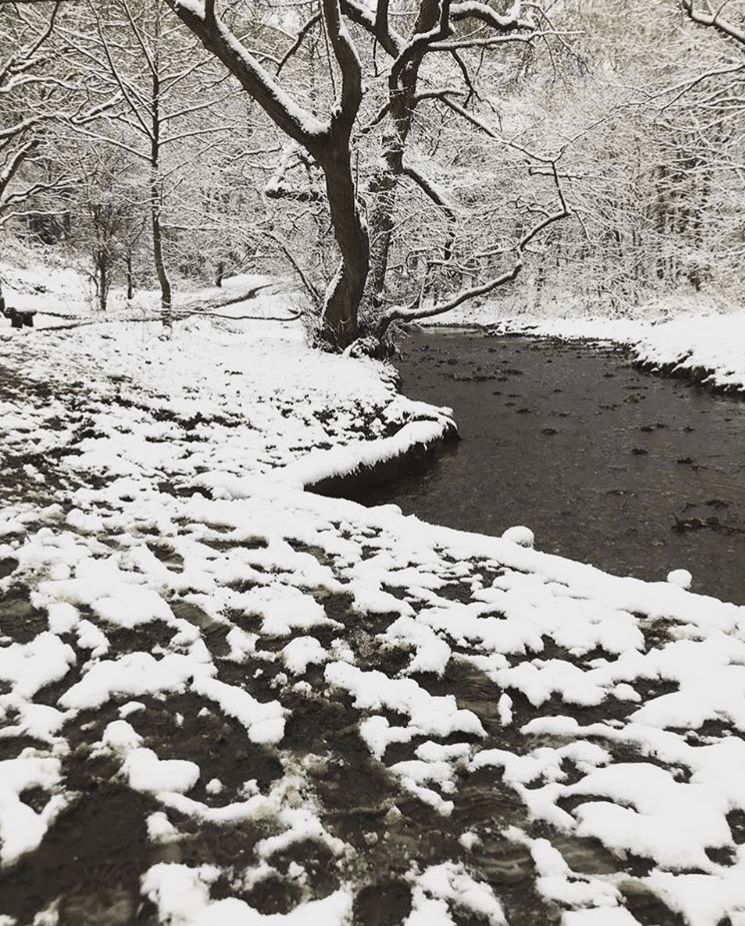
(635, 473)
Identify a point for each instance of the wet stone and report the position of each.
(384, 904)
(214, 633)
(736, 823)
(92, 857)
(273, 895)
(19, 620)
(168, 556)
(647, 907)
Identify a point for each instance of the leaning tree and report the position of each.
(432, 51)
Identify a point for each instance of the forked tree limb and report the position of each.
(413, 312)
(714, 20)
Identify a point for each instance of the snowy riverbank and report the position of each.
(693, 337)
(228, 700)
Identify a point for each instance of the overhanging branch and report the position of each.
(414, 312)
(713, 19)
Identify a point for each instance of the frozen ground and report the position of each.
(226, 700)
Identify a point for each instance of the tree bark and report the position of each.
(402, 84)
(343, 296)
(164, 282)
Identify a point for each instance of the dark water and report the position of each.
(635, 473)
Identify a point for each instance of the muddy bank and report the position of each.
(365, 478)
(700, 376)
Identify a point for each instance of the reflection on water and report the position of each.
(635, 473)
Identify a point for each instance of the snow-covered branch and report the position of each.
(713, 18)
(297, 122)
(378, 26)
(513, 19)
(346, 56)
(416, 311)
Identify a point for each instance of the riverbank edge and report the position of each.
(676, 367)
(361, 477)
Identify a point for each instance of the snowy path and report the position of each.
(226, 700)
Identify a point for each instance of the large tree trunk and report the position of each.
(402, 84)
(339, 325)
(383, 187)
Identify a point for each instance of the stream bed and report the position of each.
(635, 473)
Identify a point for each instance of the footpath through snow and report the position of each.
(226, 700)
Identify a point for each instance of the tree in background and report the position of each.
(646, 105)
(38, 89)
(28, 93)
(110, 216)
(164, 117)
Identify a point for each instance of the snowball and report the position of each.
(146, 772)
(522, 536)
(302, 651)
(680, 577)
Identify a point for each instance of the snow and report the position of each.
(681, 577)
(182, 897)
(297, 684)
(149, 774)
(441, 883)
(264, 723)
(21, 827)
(523, 536)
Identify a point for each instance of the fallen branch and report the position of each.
(196, 307)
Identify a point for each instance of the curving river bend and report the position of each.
(635, 473)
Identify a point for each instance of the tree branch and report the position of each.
(429, 190)
(304, 30)
(316, 297)
(513, 19)
(390, 41)
(714, 20)
(415, 312)
(350, 95)
(300, 124)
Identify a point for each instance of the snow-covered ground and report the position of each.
(227, 700)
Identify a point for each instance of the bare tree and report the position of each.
(142, 56)
(32, 92)
(39, 91)
(437, 29)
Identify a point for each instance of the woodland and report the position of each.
(399, 158)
